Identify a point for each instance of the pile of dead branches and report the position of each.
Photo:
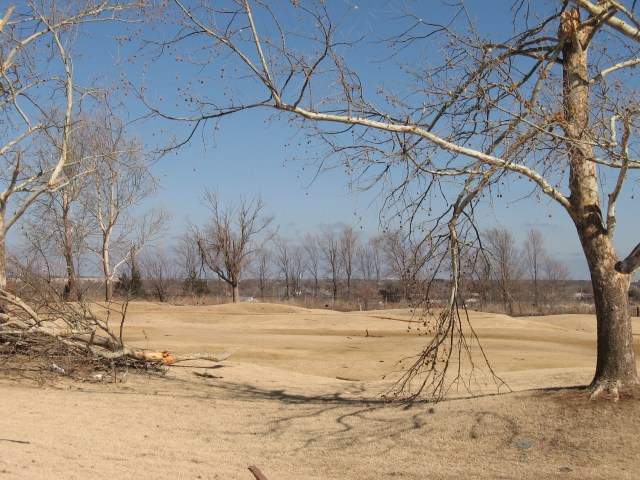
(46, 332)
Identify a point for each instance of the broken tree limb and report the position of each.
(107, 348)
(206, 356)
(164, 356)
(631, 263)
(257, 473)
(79, 328)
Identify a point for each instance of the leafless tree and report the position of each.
(57, 217)
(504, 259)
(39, 101)
(406, 260)
(479, 113)
(263, 260)
(546, 272)
(39, 98)
(159, 270)
(191, 269)
(554, 272)
(310, 244)
(348, 247)
(229, 240)
(297, 269)
(283, 261)
(329, 244)
(534, 257)
(188, 254)
(369, 259)
(120, 180)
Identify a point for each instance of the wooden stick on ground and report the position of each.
(257, 473)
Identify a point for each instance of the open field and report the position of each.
(300, 400)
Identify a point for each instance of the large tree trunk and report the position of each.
(616, 364)
(235, 293)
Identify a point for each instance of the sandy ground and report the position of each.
(300, 399)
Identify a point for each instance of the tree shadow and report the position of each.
(373, 425)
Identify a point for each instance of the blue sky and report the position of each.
(252, 155)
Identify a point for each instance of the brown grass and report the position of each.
(301, 400)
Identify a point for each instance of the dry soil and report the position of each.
(301, 399)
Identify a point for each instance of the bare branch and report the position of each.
(440, 142)
(619, 66)
(622, 175)
(631, 264)
(601, 8)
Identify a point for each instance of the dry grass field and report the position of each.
(300, 399)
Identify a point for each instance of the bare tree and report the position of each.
(482, 112)
(58, 217)
(329, 244)
(191, 268)
(368, 259)
(406, 260)
(505, 263)
(263, 260)
(545, 271)
(310, 244)
(348, 246)
(120, 180)
(368, 264)
(297, 269)
(39, 98)
(230, 239)
(188, 254)
(159, 270)
(534, 257)
(554, 273)
(39, 101)
(284, 263)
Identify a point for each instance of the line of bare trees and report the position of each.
(238, 241)
(496, 272)
(337, 263)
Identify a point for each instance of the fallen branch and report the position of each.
(164, 356)
(15, 441)
(205, 356)
(26, 326)
(257, 473)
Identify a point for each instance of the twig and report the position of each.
(257, 473)
(15, 441)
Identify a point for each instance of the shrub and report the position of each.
(195, 285)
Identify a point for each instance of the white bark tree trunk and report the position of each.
(616, 363)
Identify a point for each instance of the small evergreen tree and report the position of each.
(129, 285)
